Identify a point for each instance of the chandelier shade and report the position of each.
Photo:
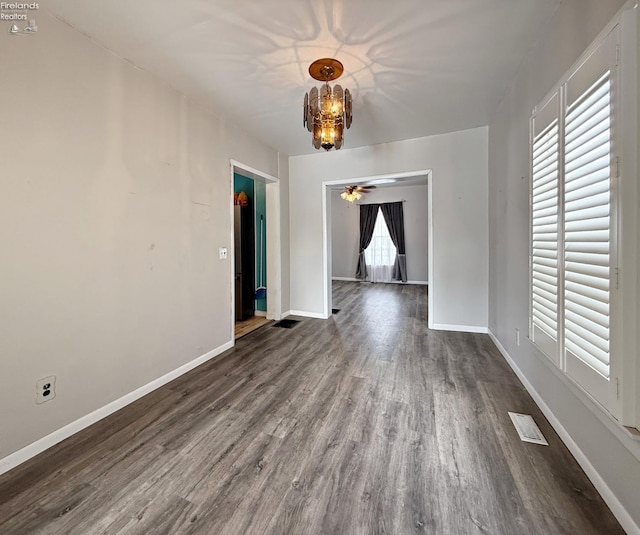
(327, 111)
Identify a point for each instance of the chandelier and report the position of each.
(327, 111)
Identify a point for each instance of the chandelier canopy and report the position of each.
(327, 111)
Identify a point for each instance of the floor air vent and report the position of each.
(527, 428)
(286, 324)
(335, 310)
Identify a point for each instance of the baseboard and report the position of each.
(261, 313)
(285, 314)
(33, 449)
(621, 514)
(416, 283)
(459, 328)
(351, 279)
(304, 314)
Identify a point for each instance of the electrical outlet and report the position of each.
(517, 337)
(222, 253)
(46, 389)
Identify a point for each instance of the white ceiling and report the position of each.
(415, 67)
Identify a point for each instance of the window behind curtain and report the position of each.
(381, 253)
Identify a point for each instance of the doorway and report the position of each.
(255, 262)
(397, 179)
(250, 255)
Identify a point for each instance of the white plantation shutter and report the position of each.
(572, 223)
(544, 228)
(588, 224)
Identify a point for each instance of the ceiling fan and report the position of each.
(354, 193)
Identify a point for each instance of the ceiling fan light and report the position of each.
(350, 194)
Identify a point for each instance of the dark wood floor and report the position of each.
(367, 423)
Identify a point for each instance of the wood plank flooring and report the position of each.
(242, 328)
(366, 423)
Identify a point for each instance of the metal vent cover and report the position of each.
(527, 428)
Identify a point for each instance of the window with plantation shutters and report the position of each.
(588, 223)
(544, 228)
(572, 223)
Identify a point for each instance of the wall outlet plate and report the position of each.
(45, 389)
(222, 253)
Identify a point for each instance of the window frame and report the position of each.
(381, 224)
(554, 108)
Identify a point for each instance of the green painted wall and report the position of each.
(256, 191)
(260, 203)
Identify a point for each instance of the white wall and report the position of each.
(115, 196)
(459, 165)
(609, 456)
(345, 226)
(345, 231)
(283, 166)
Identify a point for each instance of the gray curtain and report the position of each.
(394, 218)
(368, 215)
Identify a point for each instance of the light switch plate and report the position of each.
(222, 253)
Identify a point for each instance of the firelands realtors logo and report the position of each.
(17, 14)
